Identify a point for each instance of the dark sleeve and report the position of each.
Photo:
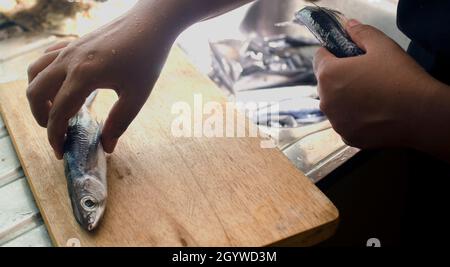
(427, 24)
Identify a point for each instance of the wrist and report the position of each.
(431, 128)
(168, 17)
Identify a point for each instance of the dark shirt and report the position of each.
(427, 24)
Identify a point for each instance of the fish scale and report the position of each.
(80, 142)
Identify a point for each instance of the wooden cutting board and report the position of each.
(168, 191)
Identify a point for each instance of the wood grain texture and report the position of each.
(167, 191)
(18, 212)
(10, 169)
(36, 237)
(3, 131)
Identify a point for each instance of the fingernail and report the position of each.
(110, 145)
(352, 23)
(58, 155)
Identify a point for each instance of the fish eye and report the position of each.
(89, 203)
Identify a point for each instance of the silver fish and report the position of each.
(85, 168)
(327, 25)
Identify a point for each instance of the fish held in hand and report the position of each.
(327, 25)
(85, 168)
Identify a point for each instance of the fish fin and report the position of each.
(90, 99)
(335, 15)
(330, 11)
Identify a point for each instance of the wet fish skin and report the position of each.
(326, 24)
(85, 169)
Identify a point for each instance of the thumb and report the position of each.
(366, 37)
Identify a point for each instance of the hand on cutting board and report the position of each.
(125, 55)
(375, 99)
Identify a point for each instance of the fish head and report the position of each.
(89, 201)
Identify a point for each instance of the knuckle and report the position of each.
(53, 116)
(365, 31)
(32, 70)
(360, 30)
(65, 53)
(324, 77)
(30, 94)
(327, 68)
(324, 105)
(59, 45)
(321, 75)
(81, 70)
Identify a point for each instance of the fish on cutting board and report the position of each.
(85, 168)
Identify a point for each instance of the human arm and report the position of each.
(383, 98)
(125, 55)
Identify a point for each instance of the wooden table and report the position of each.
(167, 191)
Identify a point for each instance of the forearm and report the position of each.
(177, 15)
(432, 121)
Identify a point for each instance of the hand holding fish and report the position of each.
(383, 98)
